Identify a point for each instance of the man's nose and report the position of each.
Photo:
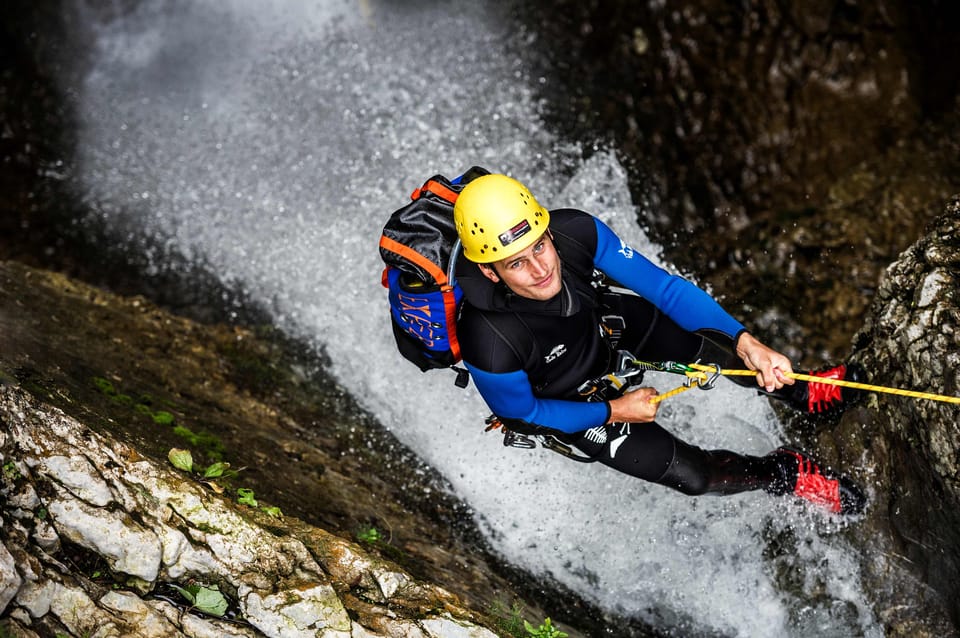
(538, 267)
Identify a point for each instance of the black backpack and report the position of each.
(419, 246)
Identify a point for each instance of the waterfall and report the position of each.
(268, 141)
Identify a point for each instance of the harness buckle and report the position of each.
(510, 438)
(612, 327)
(613, 384)
(513, 439)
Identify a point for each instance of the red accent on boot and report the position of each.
(813, 486)
(822, 396)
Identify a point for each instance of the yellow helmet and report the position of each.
(497, 217)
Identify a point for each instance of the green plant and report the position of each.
(245, 497)
(143, 405)
(209, 443)
(209, 600)
(181, 459)
(370, 535)
(508, 620)
(216, 470)
(162, 417)
(104, 386)
(11, 471)
(545, 630)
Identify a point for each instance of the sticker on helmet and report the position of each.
(514, 233)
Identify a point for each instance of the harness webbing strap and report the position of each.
(411, 255)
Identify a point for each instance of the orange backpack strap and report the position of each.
(413, 256)
(436, 188)
(450, 309)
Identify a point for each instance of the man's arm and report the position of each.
(689, 306)
(692, 308)
(510, 396)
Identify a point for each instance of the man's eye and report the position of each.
(539, 247)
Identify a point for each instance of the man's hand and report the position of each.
(771, 366)
(634, 407)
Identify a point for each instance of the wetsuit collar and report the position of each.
(484, 294)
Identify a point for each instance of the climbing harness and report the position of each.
(628, 372)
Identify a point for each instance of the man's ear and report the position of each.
(489, 273)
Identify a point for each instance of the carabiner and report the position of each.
(515, 439)
(709, 383)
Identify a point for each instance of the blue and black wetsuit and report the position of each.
(528, 358)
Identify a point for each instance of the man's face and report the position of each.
(533, 273)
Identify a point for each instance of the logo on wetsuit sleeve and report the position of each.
(557, 352)
(625, 250)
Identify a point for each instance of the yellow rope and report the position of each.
(672, 393)
(703, 370)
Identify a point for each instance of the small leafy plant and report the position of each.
(209, 600)
(183, 460)
(11, 471)
(545, 630)
(245, 497)
(370, 535)
(162, 417)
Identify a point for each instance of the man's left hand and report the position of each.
(771, 366)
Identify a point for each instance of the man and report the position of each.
(534, 332)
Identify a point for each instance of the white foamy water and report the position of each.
(269, 141)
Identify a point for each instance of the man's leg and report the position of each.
(652, 336)
(649, 452)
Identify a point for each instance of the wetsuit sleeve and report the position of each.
(510, 396)
(689, 306)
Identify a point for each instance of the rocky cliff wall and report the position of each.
(910, 448)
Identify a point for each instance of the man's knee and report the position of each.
(689, 472)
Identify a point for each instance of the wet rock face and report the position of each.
(97, 527)
(750, 105)
(911, 340)
(151, 526)
(318, 512)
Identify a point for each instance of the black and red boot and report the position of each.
(800, 475)
(826, 398)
